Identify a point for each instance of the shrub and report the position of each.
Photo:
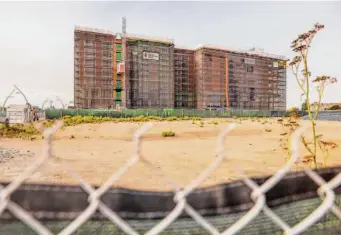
(214, 122)
(23, 131)
(292, 110)
(168, 133)
(268, 130)
(47, 123)
(28, 131)
(171, 118)
(334, 107)
(196, 118)
(75, 120)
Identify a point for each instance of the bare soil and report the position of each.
(98, 150)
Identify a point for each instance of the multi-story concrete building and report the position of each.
(241, 80)
(93, 83)
(140, 72)
(184, 78)
(211, 78)
(97, 68)
(149, 72)
(256, 81)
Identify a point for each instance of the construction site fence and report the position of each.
(58, 113)
(305, 202)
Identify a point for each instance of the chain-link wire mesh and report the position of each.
(306, 202)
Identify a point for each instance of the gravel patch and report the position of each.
(7, 154)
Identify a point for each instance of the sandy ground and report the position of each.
(98, 150)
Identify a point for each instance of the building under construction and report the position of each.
(130, 71)
(211, 78)
(149, 72)
(241, 80)
(93, 52)
(119, 98)
(184, 78)
(256, 82)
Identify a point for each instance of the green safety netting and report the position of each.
(57, 113)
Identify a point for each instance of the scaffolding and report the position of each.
(256, 82)
(135, 71)
(119, 73)
(184, 78)
(239, 80)
(149, 73)
(211, 78)
(93, 83)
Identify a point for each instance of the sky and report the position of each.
(36, 39)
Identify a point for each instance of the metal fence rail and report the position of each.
(259, 201)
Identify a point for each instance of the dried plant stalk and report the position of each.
(300, 69)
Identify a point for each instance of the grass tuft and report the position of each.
(169, 133)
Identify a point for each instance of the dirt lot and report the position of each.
(98, 150)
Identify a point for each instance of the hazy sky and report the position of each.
(36, 39)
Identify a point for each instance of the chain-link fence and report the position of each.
(306, 202)
(57, 113)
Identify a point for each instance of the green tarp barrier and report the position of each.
(58, 113)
